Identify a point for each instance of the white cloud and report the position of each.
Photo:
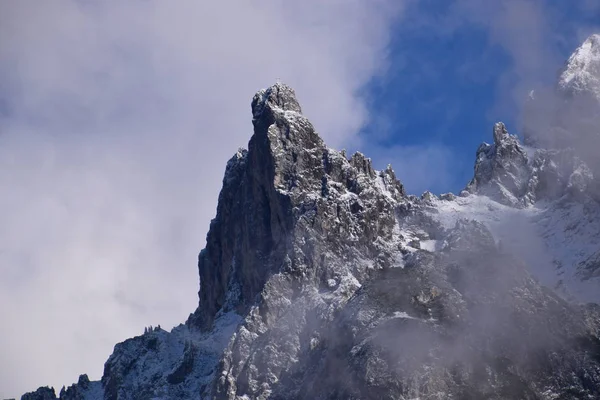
(116, 119)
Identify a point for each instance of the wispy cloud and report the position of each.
(116, 119)
(537, 35)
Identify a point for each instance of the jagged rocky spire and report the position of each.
(500, 168)
(287, 176)
(251, 231)
(506, 172)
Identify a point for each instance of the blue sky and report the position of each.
(450, 78)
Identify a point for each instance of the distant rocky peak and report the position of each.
(500, 168)
(568, 115)
(362, 164)
(514, 175)
(582, 71)
(285, 143)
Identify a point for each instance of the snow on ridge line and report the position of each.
(540, 235)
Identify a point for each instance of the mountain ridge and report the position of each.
(307, 253)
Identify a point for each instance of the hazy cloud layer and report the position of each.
(116, 119)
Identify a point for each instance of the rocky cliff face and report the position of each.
(322, 279)
(303, 198)
(322, 224)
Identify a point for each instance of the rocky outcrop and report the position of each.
(43, 393)
(173, 365)
(501, 168)
(518, 176)
(287, 177)
(84, 389)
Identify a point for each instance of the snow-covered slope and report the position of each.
(159, 364)
(559, 240)
(541, 205)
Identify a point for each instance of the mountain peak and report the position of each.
(593, 39)
(582, 72)
(499, 168)
(500, 133)
(287, 182)
(276, 97)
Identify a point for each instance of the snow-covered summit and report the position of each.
(568, 115)
(582, 72)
